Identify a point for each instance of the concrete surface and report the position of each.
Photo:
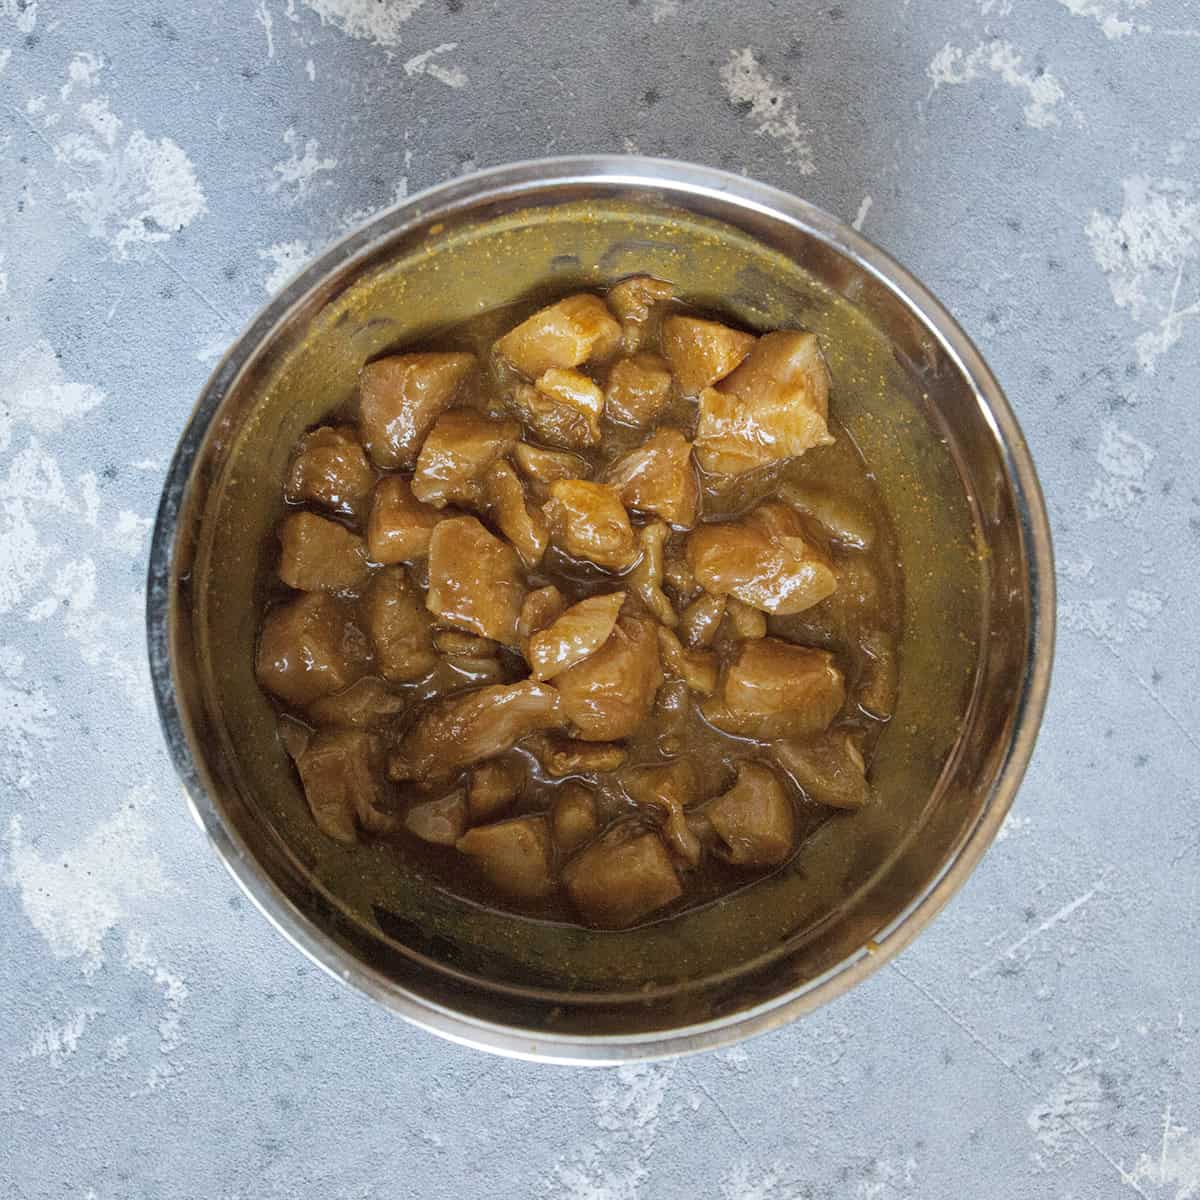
(164, 165)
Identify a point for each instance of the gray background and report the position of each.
(164, 165)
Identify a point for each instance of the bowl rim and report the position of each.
(670, 177)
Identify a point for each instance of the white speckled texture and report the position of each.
(164, 164)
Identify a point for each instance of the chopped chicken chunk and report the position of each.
(456, 456)
(589, 522)
(678, 574)
(763, 560)
(440, 822)
(611, 692)
(842, 519)
(494, 787)
(341, 784)
(668, 788)
(634, 300)
(475, 580)
(698, 668)
(516, 856)
(561, 756)
(400, 397)
(330, 469)
(621, 877)
(573, 818)
(457, 731)
(772, 689)
(541, 609)
(573, 331)
(658, 478)
(646, 578)
(546, 466)
(400, 526)
(580, 631)
(525, 527)
(393, 614)
(638, 390)
(318, 555)
(828, 769)
(699, 622)
(563, 408)
(367, 704)
(774, 406)
(701, 352)
(310, 647)
(746, 621)
(755, 819)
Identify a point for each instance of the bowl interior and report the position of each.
(966, 630)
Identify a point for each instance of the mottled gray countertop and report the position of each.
(165, 165)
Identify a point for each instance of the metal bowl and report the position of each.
(975, 653)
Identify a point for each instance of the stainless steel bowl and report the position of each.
(975, 654)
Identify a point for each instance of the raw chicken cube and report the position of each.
(772, 689)
(611, 692)
(340, 777)
(622, 877)
(456, 456)
(828, 769)
(400, 526)
(524, 526)
(646, 578)
(561, 756)
(573, 818)
(475, 580)
(330, 469)
(697, 668)
(842, 519)
(457, 731)
(515, 856)
(701, 352)
(545, 466)
(580, 631)
(668, 789)
(635, 300)
(574, 330)
(700, 620)
(494, 787)
(638, 390)
(589, 522)
(440, 822)
(367, 704)
(755, 819)
(774, 406)
(318, 555)
(401, 396)
(311, 647)
(563, 408)
(745, 621)
(393, 614)
(541, 608)
(658, 478)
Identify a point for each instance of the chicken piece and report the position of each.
(699, 622)
(494, 787)
(774, 406)
(575, 330)
(563, 408)
(525, 527)
(562, 756)
(658, 478)
(318, 555)
(294, 735)
(746, 622)
(755, 819)
(475, 580)
(701, 352)
(672, 709)
(341, 783)
(460, 730)
(516, 856)
(879, 682)
(697, 668)
(329, 468)
(634, 301)
(646, 579)
(310, 647)
(668, 788)
(400, 397)
(393, 614)
(546, 466)
(367, 704)
(400, 526)
(842, 519)
(772, 689)
(541, 609)
(580, 631)
(588, 522)
(453, 643)
(678, 574)
(456, 456)
(611, 692)
(827, 769)
(638, 390)
(623, 876)
(763, 560)
(440, 822)
(573, 817)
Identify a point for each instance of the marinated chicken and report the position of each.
(541, 625)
